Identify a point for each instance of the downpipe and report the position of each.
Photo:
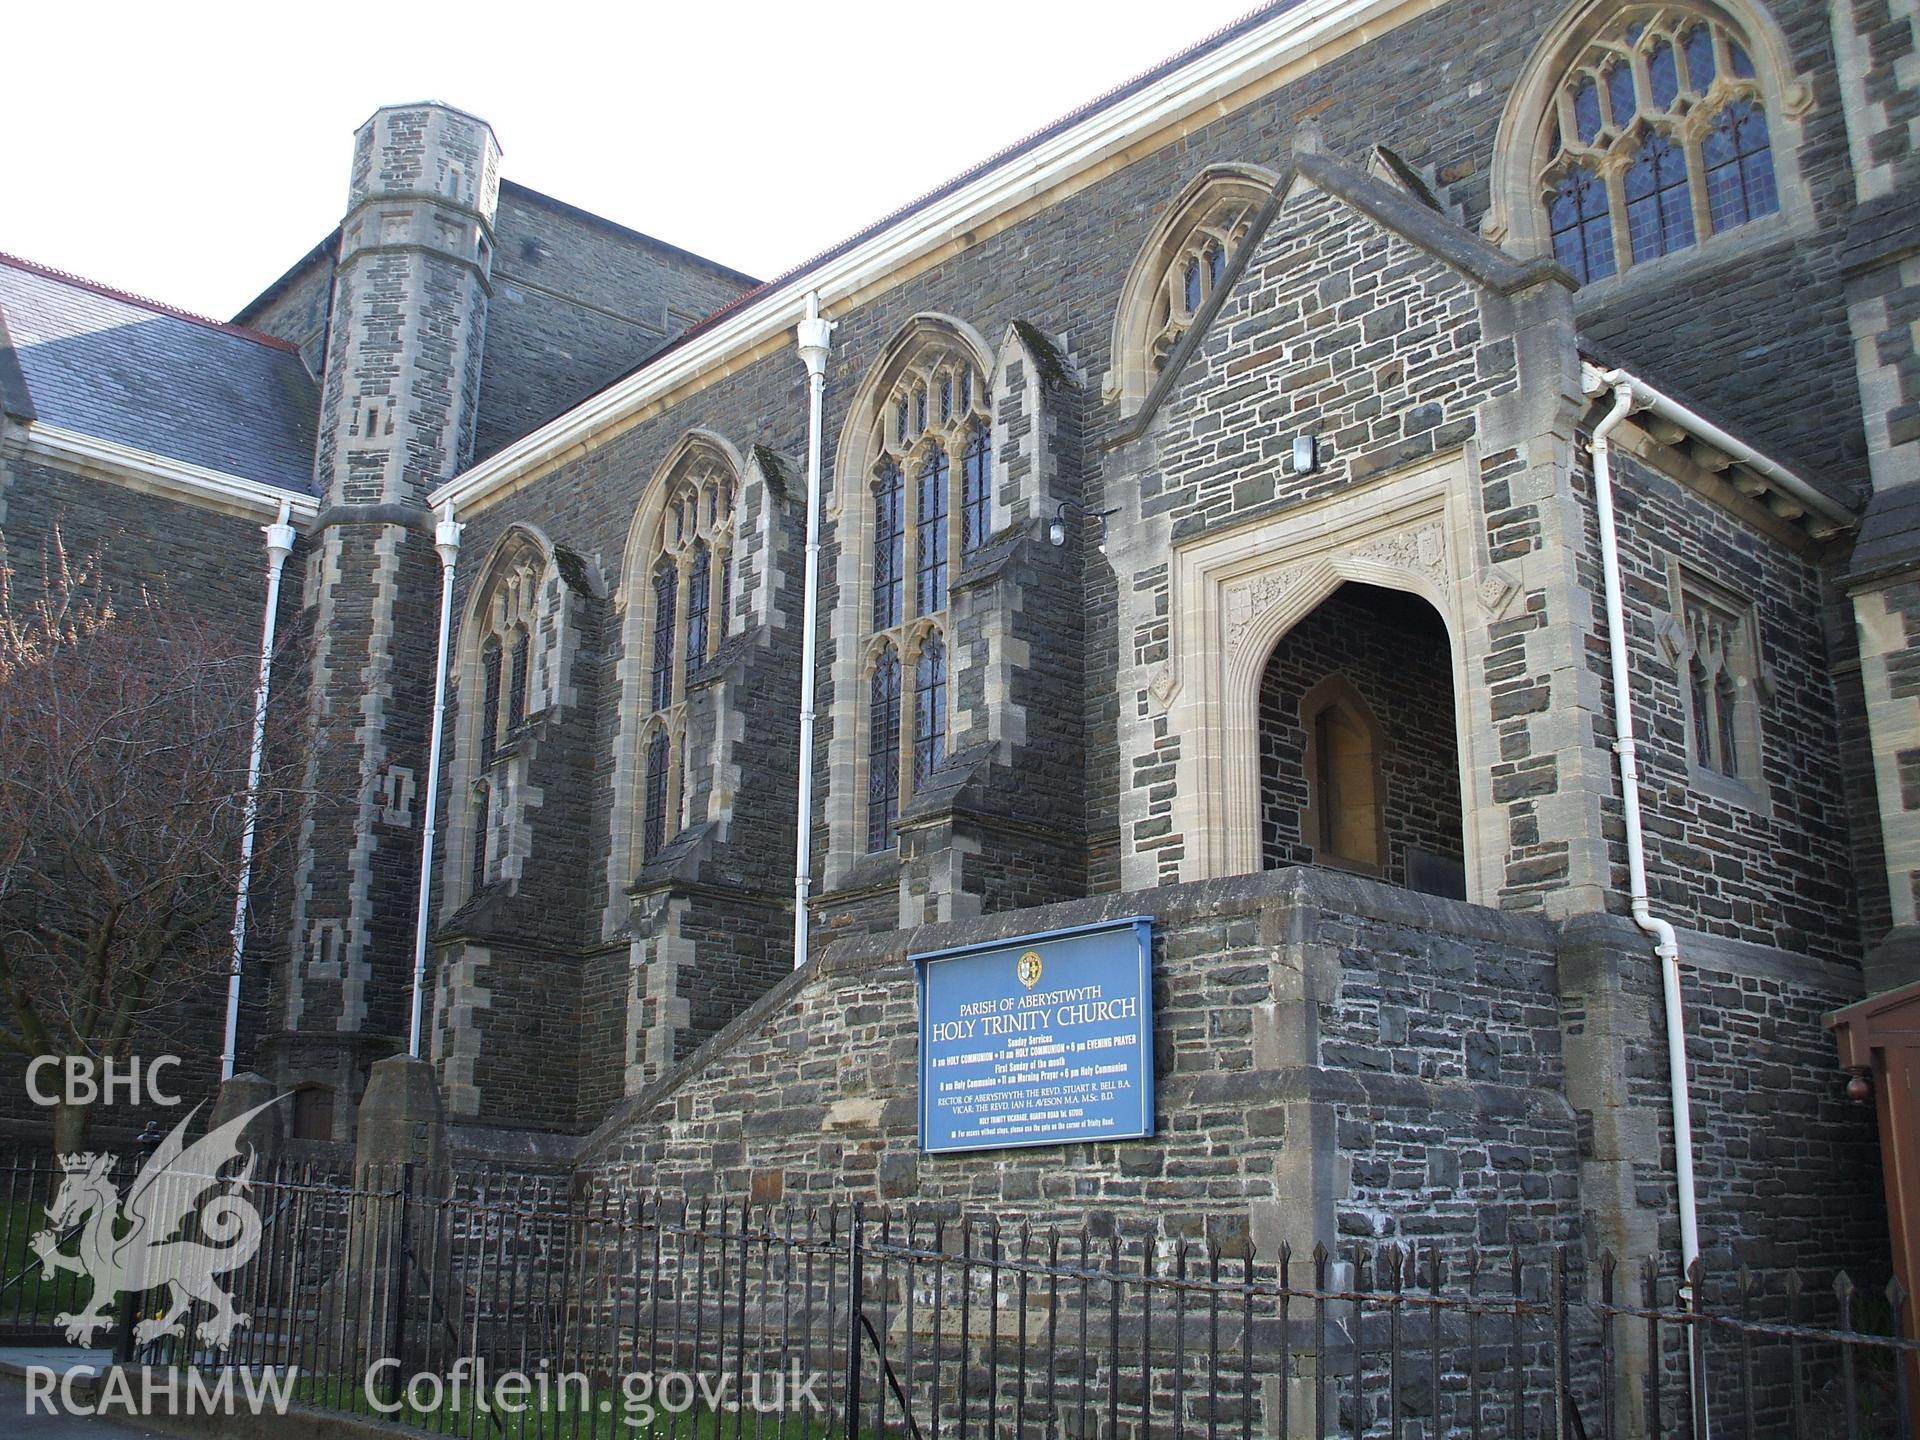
(446, 540)
(280, 537)
(1665, 944)
(815, 337)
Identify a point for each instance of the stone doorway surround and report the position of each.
(1238, 590)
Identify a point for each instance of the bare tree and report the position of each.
(126, 727)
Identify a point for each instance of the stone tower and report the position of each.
(402, 376)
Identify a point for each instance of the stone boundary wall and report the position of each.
(1338, 1060)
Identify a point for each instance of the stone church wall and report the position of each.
(211, 567)
(1767, 861)
(577, 301)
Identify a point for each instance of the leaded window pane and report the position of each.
(919, 409)
(477, 862)
(946, 398)
(900, 427)
(1586, 111)
(517, 678)
(976, 469)
(1190, 285)
(883, 760)
(1700, 65)
(1700, 695)
(930, 709)
(490, 658)
(889, 538)
(724, 596)
(699, 587)
(666, 585)
(1659, 210)
(1739, 166)
(1620, 96)
(966, 390)
(1663, 74)
(658, 767)
(1742, 62)
(1725, 715)
(1581, 225)
(930, 546)
(1216, 265)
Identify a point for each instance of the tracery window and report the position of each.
(1720, 667)
(931, 490)
(1195, 271)
(1181, 265)
(506, 619)
(689, 560)
(1657, 139)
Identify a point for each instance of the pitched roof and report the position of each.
(121, 368)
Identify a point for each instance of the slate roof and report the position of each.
(140, 374)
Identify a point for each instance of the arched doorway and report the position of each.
(1359, 755)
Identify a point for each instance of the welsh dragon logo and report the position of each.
(131, 1245)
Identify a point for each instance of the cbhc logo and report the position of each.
(87, 1081)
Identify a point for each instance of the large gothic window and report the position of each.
(1657, 139)
(500, 641)
(1182, 264)
(688, 558)
(931, 505)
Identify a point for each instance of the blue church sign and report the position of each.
(1040, 1040)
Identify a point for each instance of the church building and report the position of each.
(1283, 498)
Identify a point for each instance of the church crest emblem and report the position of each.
(1028, 969)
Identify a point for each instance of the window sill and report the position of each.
(1781, 230)
(1730, 790)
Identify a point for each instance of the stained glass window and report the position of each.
(517, 678)
(930, 709)
(883, 759)
(666, 584)
(930, 533)
(1739, 166)
(1624, 141)
(1582, 225)
(976, 469)
(889, 535)
(1659, 206)
(654, 832)
(699, 587)
(490, 658)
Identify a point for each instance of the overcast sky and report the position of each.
(192, 152)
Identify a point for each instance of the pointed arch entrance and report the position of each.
(1236, 592)
(1358, 746)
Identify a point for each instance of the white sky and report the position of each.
(193, 151)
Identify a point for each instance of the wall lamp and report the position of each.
(1057, 532)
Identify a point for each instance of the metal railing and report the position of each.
(706, 1319)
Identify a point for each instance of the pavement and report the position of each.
(16, 1419)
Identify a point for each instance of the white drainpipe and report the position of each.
(816, 338)
(280, 536)
(1665, 945)
(446, 540)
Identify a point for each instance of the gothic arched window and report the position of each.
(500, 635)
(1657, 139)
(689, 558)
(1183, 262)
(934, 431)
